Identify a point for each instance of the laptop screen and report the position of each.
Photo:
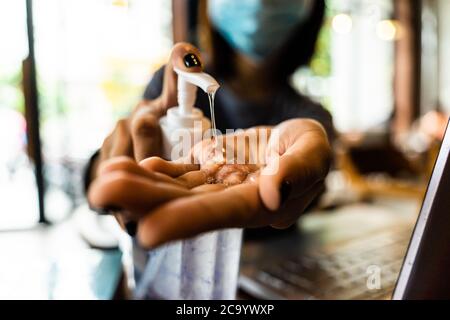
(425, 272)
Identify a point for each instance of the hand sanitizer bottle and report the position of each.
(184, 126)
(206, 266)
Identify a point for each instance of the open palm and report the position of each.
(175, 200)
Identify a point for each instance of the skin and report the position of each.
(139, 135)
(174, 200)
(250, 81)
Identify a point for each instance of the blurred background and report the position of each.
(380, 68)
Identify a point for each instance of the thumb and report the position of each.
(185, 57)
(301, 159)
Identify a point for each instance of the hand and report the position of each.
(297, 162)
(257, 196)
(139, 136)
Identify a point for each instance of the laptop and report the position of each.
(363, 252)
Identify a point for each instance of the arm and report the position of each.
(297, 162)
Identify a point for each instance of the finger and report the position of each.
(294, 208)
(209, 188)
(106, 147)
(128, 225)
(170, 168)
(132, 193)
(193, 179)
(120, 220)
(237, 206)
(126, 164)
(304, 162)
(146, 133)
(240, 147)
(121, 140)
(186, 57)
(221, 149)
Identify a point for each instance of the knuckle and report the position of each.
(120, 163)
(145, 125)
(147, 234)
(107, 142)
(155, 164)
(120, 183)
(122, 130)
(121, 124)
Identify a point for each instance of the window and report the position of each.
(353, 71)
(18, 191)
(93, 59)
(444, 53)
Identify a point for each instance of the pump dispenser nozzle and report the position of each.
(186, 117)
(187, 88)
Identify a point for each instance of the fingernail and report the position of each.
(131, 228)
(108, 210)
(285, 192)
(191, 60)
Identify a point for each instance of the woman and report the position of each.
(253, 48)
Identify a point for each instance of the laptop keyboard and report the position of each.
(340, 273)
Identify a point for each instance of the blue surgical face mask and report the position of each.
(257, 27)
